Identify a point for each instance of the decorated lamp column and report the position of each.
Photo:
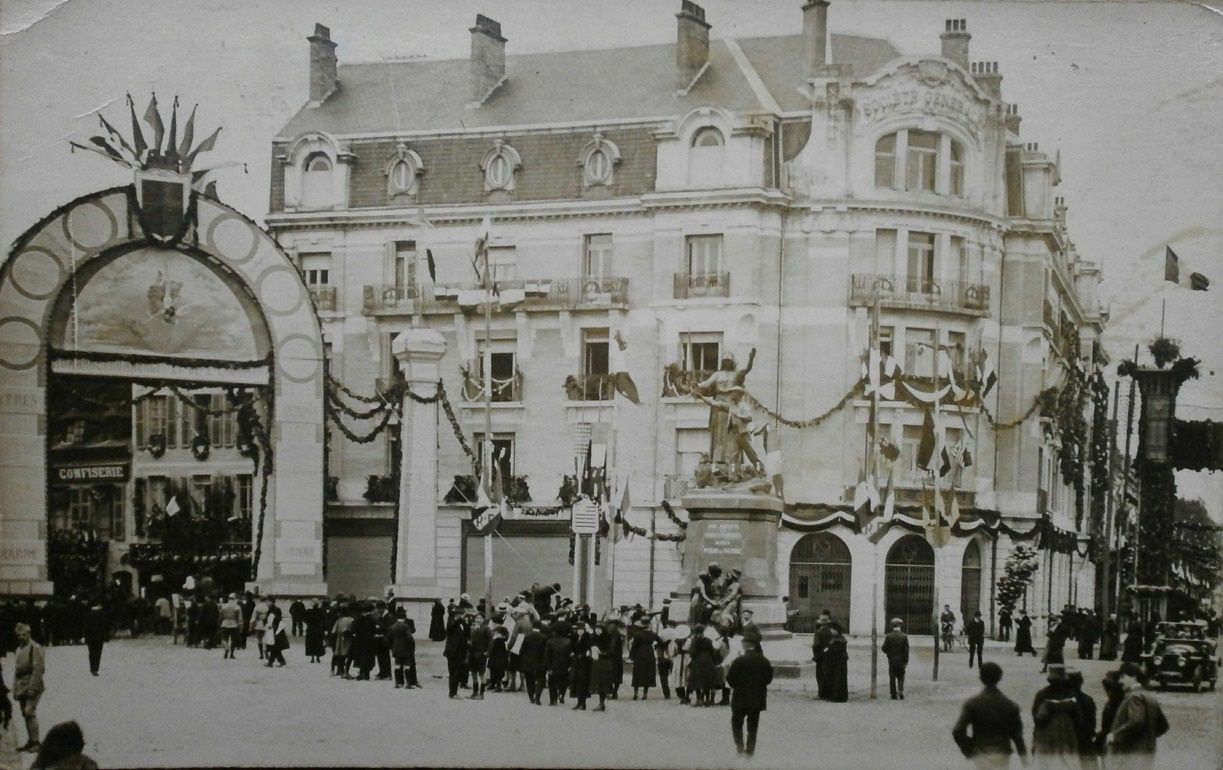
(418, 351)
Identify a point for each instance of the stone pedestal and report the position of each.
(419, 351)
(738, 530)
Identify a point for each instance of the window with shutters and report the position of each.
(885, 161)
(597, 254)
(921, 162)
(921, 278)
(700, 351)
(243, 495)
(704, 255)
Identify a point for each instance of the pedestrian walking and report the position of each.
(341, 642)
(748, 677)
(364, 628)
(896, 648)
(1055, 643)
(498, 658)
(580, 665)
(680, 663)
(702, 665)
(558, 651)
(1109, 638)
(1004, 624)
(403, 649)
(836, 666)
(642, 652)
(990, 727)
(531, 661)
(479, 641)
(1055, 720)
(602, 648)
(259, 619)
(1089, 632)
(1137, 725)
(974, 630)
(97, 632)
(1023, 635)
(297, 614)
(946, 621)
(63, 749)
(29, 669)
(819, 642)
(1086, 722)
(437, 622)
(230, 614)
(275, 636)
(1131, 652)
(316, 631)
(664, 651)
(1114, 693)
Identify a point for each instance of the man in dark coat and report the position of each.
(819, 643)
(1088, 628)
(896, 648)
(1109, 637)
(455, 652)
(297, 617)
(836, 667)
(437, 621)
(989, 723)
(974, 630)
(1004, 625)
(557, 652)
(532, 663)
(1138, 723)
(362, 650)
(1023, 635)
(383, 618)
(1055, 645)
(403, 649)
(749, 677)
(97, 631)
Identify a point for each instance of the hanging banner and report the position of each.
(585, 517)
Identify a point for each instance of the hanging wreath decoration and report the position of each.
(200, 447)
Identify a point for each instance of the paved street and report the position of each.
(160, 705)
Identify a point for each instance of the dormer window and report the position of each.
(316, 182)
(500, 166)
(598, 161)
(920, 161)
(708, 137)
(403, 172)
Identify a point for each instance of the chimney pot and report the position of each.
(955, 39)
(815, 36)
(323, 78)
(986, 75)
(487, 58)
(691, 44)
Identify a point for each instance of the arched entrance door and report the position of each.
(819, 580)
(105, 289)
(970, 581)
(909, 592)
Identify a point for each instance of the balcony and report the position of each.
(507, 390)
(589, 387)
(324, 298)
(918, 294)
(693, 285)
(536, 295)
(680, 382)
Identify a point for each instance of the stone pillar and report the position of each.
(738, 530)
(419, 350)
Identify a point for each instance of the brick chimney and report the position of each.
(691, 44)
(987, 76)
(323, 79)
(955, 39)
(815, 36)
(487, 58)
(1013, 119)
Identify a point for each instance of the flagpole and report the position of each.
(872, 459)
(1106, 582)
(1125, 481)
(938, 519)
(487, 362)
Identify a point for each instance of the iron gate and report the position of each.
(820, 567)
(909, 584)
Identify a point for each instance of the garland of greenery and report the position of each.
(810, 422)
(352, 436)
(1021, 567)
(1101, 442)
(100, 356)
(629, 529)
(677, 521)
(1042, 402)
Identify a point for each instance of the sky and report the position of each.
(1130, 93)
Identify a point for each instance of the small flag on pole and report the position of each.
(621, 380)
(172, 507)
(153, 118)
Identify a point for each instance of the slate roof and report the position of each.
(570, 86)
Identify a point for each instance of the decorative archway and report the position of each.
(820, 567)
(909, 584)
(180, 288)
(970, 580)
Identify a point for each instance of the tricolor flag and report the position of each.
(1172, 273)
(490, 500)
(424, 237)
(621, 380)
(479, 260)
(172, 506)
(954, 515)
(137, 134)
(184, 146)
(772, 462)
(926, 448)
(985, 374)
(153, 118)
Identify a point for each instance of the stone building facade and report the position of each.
(699, 199)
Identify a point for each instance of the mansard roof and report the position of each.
(572, 86)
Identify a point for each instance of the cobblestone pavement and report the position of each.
(158, 705)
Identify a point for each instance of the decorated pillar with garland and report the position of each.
(419, 351)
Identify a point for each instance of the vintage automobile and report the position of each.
(1182, 654)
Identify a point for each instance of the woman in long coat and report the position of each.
(579, 666)
(1023, 635)
(836, 667)
(316, 619)
(702, 667)
(437, 622)
(1131, 652)
(602, 652)
(645, 666)
(341, 643)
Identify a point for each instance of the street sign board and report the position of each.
(585, 517)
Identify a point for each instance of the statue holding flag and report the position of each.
(723, 390)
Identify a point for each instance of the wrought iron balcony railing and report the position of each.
(520, 294)
(680, 382)
(506, 390)
(324, 298)
(589, 387)
(689, 285)
(914, 293)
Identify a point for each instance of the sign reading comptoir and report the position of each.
(108, 472)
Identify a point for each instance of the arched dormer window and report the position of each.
(316, 181)
(403, 172)
(500, 167)
(708, 137)
(598, 161)
(920, 161)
